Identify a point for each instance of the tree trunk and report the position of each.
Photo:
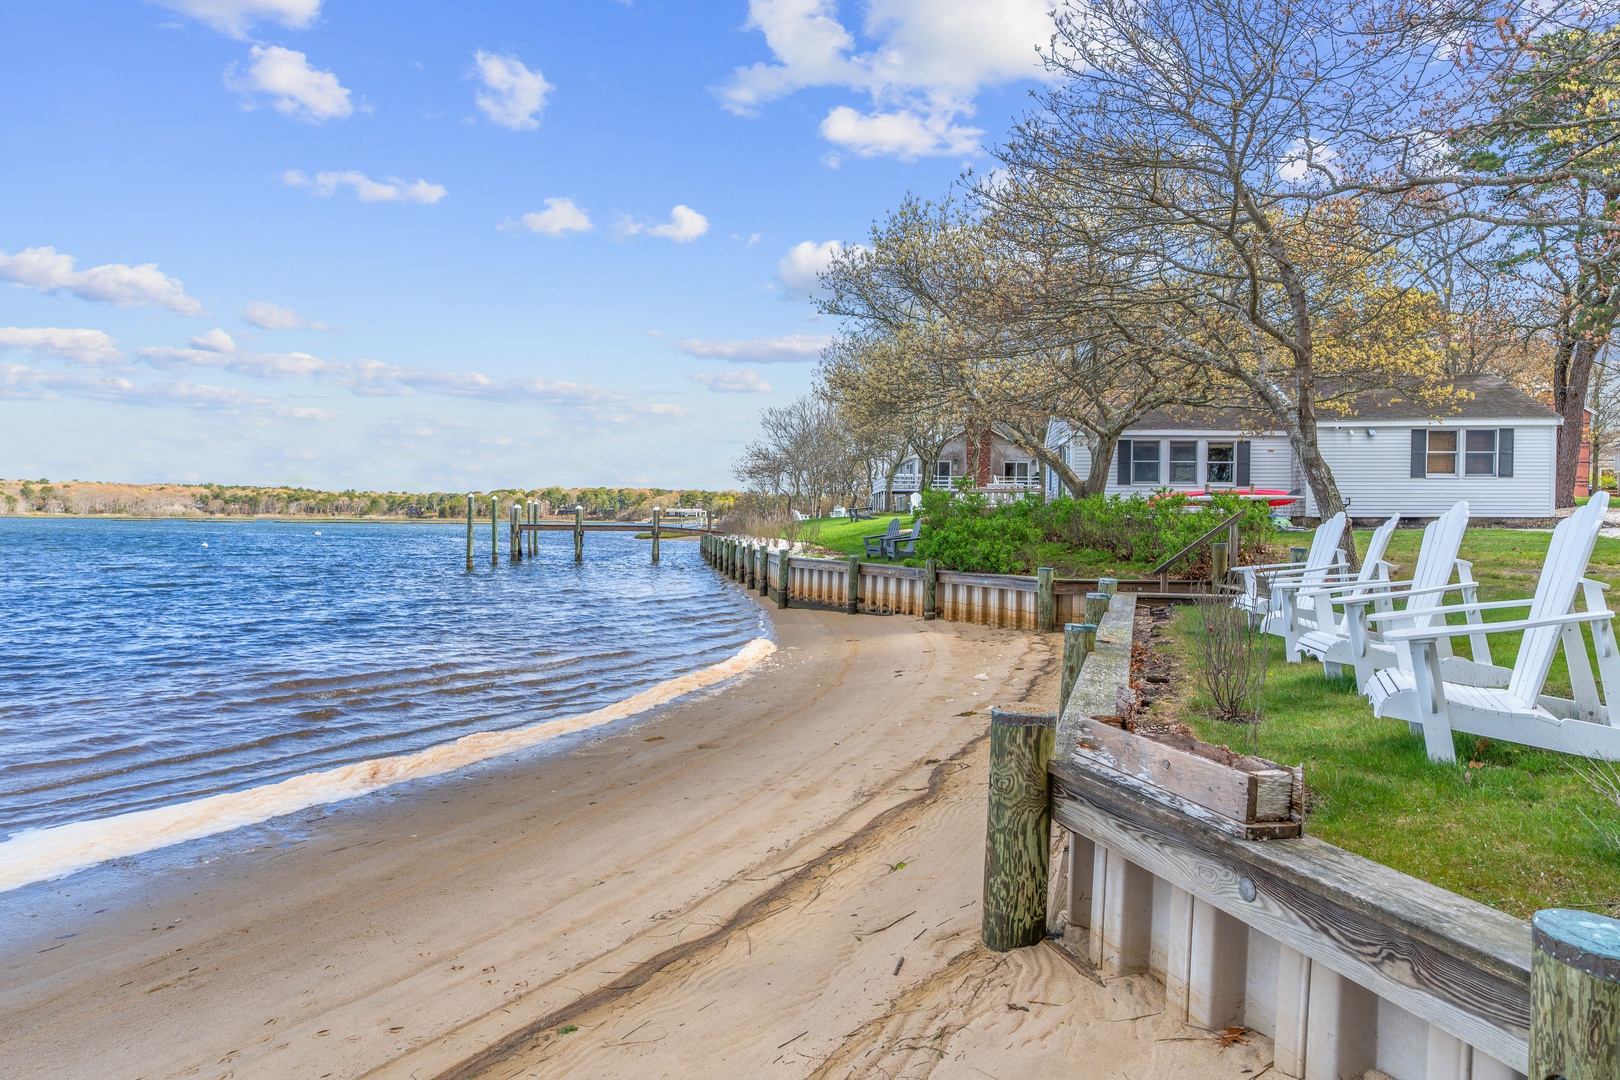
(1569, 398)
(1102, 463)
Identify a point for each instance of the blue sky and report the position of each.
(448, 246)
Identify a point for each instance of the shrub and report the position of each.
(966, 532)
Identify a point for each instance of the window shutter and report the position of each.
(1504, 452)
(1122, 453)
(1241, 472)
(1420, 453)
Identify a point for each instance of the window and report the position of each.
(942, 472)
(1015, 472)
(1479, 453)
(1442, 456)
(1145, 461)
(1222, 462)
(1184, 463)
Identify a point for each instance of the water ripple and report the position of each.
(143, 669)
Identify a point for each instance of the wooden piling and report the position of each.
(1298, 554)
(1045, 600)
(852, 595)
(470, 505)
(1574, 995)
(1078, 641)
(1107, 586)
(579, 533)
(534, 519)
(1218, 555)
(930, 589)
(657, 524)
(763, 558)
(782, 583)
(1018, 832)
(494, 533)
(514, 534)
(1096, 605)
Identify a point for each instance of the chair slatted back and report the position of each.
(1324, 550)
(1376, 545)
(1561, 574)
(893, 530)
(1437, 558)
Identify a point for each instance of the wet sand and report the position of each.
(779, 877)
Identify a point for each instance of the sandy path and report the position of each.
(704, 892)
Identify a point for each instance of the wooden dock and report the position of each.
(524, 526)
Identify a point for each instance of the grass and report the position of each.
(1507, 825)
(846, 536)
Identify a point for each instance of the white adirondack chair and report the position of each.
(1419, 693)
(1303, 608)
(1350, 640)
(1324, 556)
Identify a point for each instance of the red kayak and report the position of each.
(1272, 496)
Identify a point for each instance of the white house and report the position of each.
(1389, 454)
(1001, 468)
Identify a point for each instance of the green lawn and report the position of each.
(1506, 826)
(845, 536)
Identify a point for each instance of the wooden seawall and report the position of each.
(1009, 601)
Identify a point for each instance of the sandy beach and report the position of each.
(777, 877)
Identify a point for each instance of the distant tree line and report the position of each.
(243, 500)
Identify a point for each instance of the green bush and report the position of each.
(967, 532)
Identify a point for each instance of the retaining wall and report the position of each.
(1346, 964)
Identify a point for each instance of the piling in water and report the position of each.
(579, 533)
(494, 533)
(657, 521)
(469, 530)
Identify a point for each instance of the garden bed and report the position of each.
(1511, 826)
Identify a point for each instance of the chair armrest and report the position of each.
(1450, 609)
(1391, 590)
(1432, 633)
(1261, 567)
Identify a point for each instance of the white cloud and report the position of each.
(903, 133)
(294, 88)
(560, 216)
(513, 95)
(685, 225)
(1306, 159)
(732, 382)
(235, 17)
(368, 190)
(374, 378)
(215, 340)
(92, 348)
(20, 382)
(926, 61)
(791, 349)
(46, 270)
(800, 269)
(268, 316)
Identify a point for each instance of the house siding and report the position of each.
(1374, 473)
(1270, 461)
